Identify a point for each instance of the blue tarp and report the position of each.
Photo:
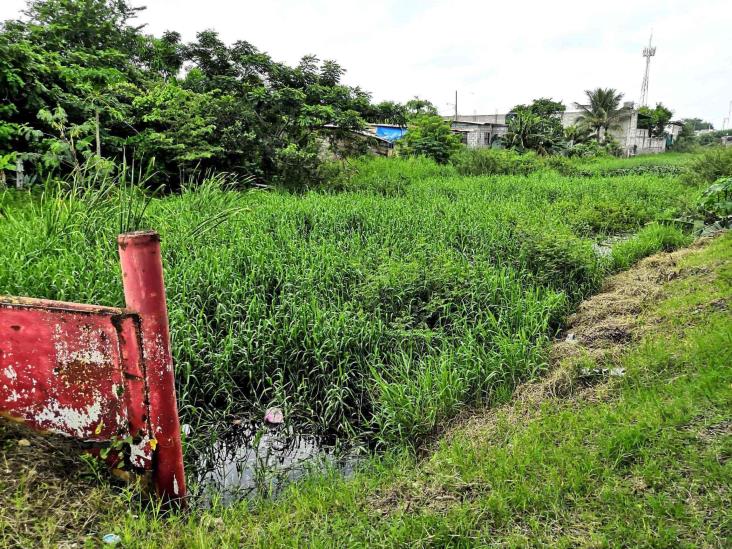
(389, 133)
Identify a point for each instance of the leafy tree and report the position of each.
(388, 112)
(79, 80)
(654, 119)
(544, 107)
(429, 135)
(417, 107)
(603, 111)
(698, 124)
(536, 127)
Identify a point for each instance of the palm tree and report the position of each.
(603, 112)
(577, 133)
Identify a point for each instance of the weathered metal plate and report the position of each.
(100, 374)
(61, 367)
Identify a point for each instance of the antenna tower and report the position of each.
(648, 52)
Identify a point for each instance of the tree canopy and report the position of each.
(654, 119)
(80, 80)
(537, 126)
(603, 110)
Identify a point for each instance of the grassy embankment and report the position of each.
(388, 309)
(580, 458)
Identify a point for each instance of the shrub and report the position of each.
(711, 165)
(715, 204)
(495, 162)
(429, 135)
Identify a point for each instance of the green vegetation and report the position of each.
(711, 165)
(641, 460)
(350, 310)
(429, 136)
(82, 82)
(375, 300)
(654, 119)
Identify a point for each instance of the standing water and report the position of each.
(259, 460)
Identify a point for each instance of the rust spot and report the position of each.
(83, 376)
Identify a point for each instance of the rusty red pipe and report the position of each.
(144, 288)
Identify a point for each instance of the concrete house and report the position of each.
(477, 135)
(631, 139)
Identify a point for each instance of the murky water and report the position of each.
(255, 459)
(605, 247)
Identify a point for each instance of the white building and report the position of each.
(631, 139)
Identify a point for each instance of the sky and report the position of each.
(495, 54)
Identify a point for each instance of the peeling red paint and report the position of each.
(99, 373)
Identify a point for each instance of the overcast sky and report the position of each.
(496, 54)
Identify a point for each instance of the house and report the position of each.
(632, 140)
(477, 135)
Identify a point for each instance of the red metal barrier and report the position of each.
(100, 373)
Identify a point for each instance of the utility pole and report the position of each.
(456, 114)
(648, 52)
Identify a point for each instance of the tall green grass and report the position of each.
(364, 312)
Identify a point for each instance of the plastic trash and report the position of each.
(111, 539)
(274, 416)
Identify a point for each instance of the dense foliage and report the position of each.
(81, 82)
(379, 312)
(654, 119)
(430, 136)
(536, 127)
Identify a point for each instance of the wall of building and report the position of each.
(631, 139)
(477, 136)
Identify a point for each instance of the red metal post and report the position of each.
(142, 278)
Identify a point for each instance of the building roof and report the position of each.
(476, 123)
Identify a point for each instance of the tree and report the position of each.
(544, 107)
(388, 112)
(429, 135)
(417, 107)
(577, 134)
(603, 111)
(698, 124)
(536, 127)
(654, 120)
(80, 80)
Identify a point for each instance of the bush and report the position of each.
(495, 162)
(711, 165)
(715, 204)
(429, 135)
